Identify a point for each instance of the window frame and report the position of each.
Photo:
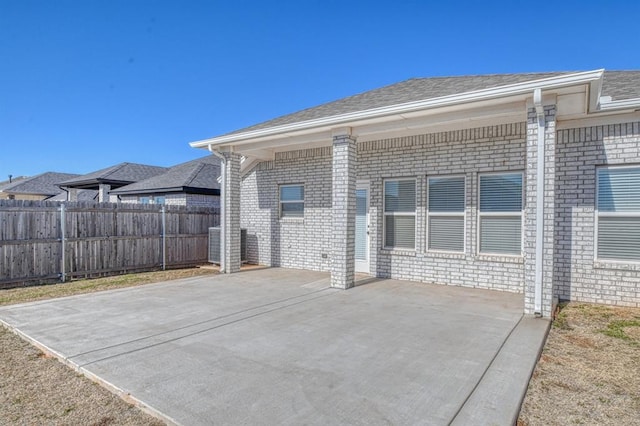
(281, 201)
(408, 214)
(598, 214)
(448, 214)
(520, 214)
(144, 199)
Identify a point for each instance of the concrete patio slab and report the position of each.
(279, 346)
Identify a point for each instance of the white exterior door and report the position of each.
(362, 227)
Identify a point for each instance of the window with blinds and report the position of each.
(618, 213)
(400, 213)
(446, 213)
(500, 214)
(291, 200)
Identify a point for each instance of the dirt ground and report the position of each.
(589, 371)
(37, 390)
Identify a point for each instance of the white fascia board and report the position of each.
(620, 105)
(311, 126)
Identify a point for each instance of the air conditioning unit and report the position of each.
(214, 245)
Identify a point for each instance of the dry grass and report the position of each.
(36, 389)
(51, 291)
(589, 371)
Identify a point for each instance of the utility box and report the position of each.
(214, 245)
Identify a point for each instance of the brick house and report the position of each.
(104, 180)
(527, 183)
(194, 183)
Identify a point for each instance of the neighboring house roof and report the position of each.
(83, 195)
(116, 176)
(6, 183)
(199, 176)
(43, 184)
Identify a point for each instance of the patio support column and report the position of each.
(539, 268)
(230, 221)
(343, 209)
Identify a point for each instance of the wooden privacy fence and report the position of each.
(45, 241)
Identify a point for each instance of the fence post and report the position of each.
(164, 239)
(63, 225)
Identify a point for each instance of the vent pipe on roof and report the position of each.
(10, 177)
(540, 163)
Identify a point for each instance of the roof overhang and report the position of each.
(577, 93)
(169, 190)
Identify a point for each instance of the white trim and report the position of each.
(621, 104)
(341, 120)
(447, 214)
(500, 214)
(399, 214)
(364, 266)
(600, 119)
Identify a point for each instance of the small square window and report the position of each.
(292, 201)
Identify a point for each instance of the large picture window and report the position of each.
(400, 213)
(446, 206)
(500, 214)
(292, 201)
(618, 213)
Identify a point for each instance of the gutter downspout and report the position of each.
(537, 101)
(223, 225)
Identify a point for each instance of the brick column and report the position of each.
(103, 193)
(344, 210)
(530, 224)
(72, 194)
(230, 250)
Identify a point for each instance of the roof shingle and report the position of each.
(197, 175)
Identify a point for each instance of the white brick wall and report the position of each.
(306, 243)
(577, 275)
(179, 199)
(301, 243)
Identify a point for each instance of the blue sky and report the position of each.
(87, 84)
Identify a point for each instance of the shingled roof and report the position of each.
(199, 176)
(618, 84)
(116, 176)
(42, 184)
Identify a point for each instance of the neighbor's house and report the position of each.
(524, 182)
(105, 180)
(41, 187)
(5, 183)
(194, 183)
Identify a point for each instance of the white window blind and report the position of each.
(618, 206)
(400, 213)
(291, 200)
(446, 213)
(500, 213)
